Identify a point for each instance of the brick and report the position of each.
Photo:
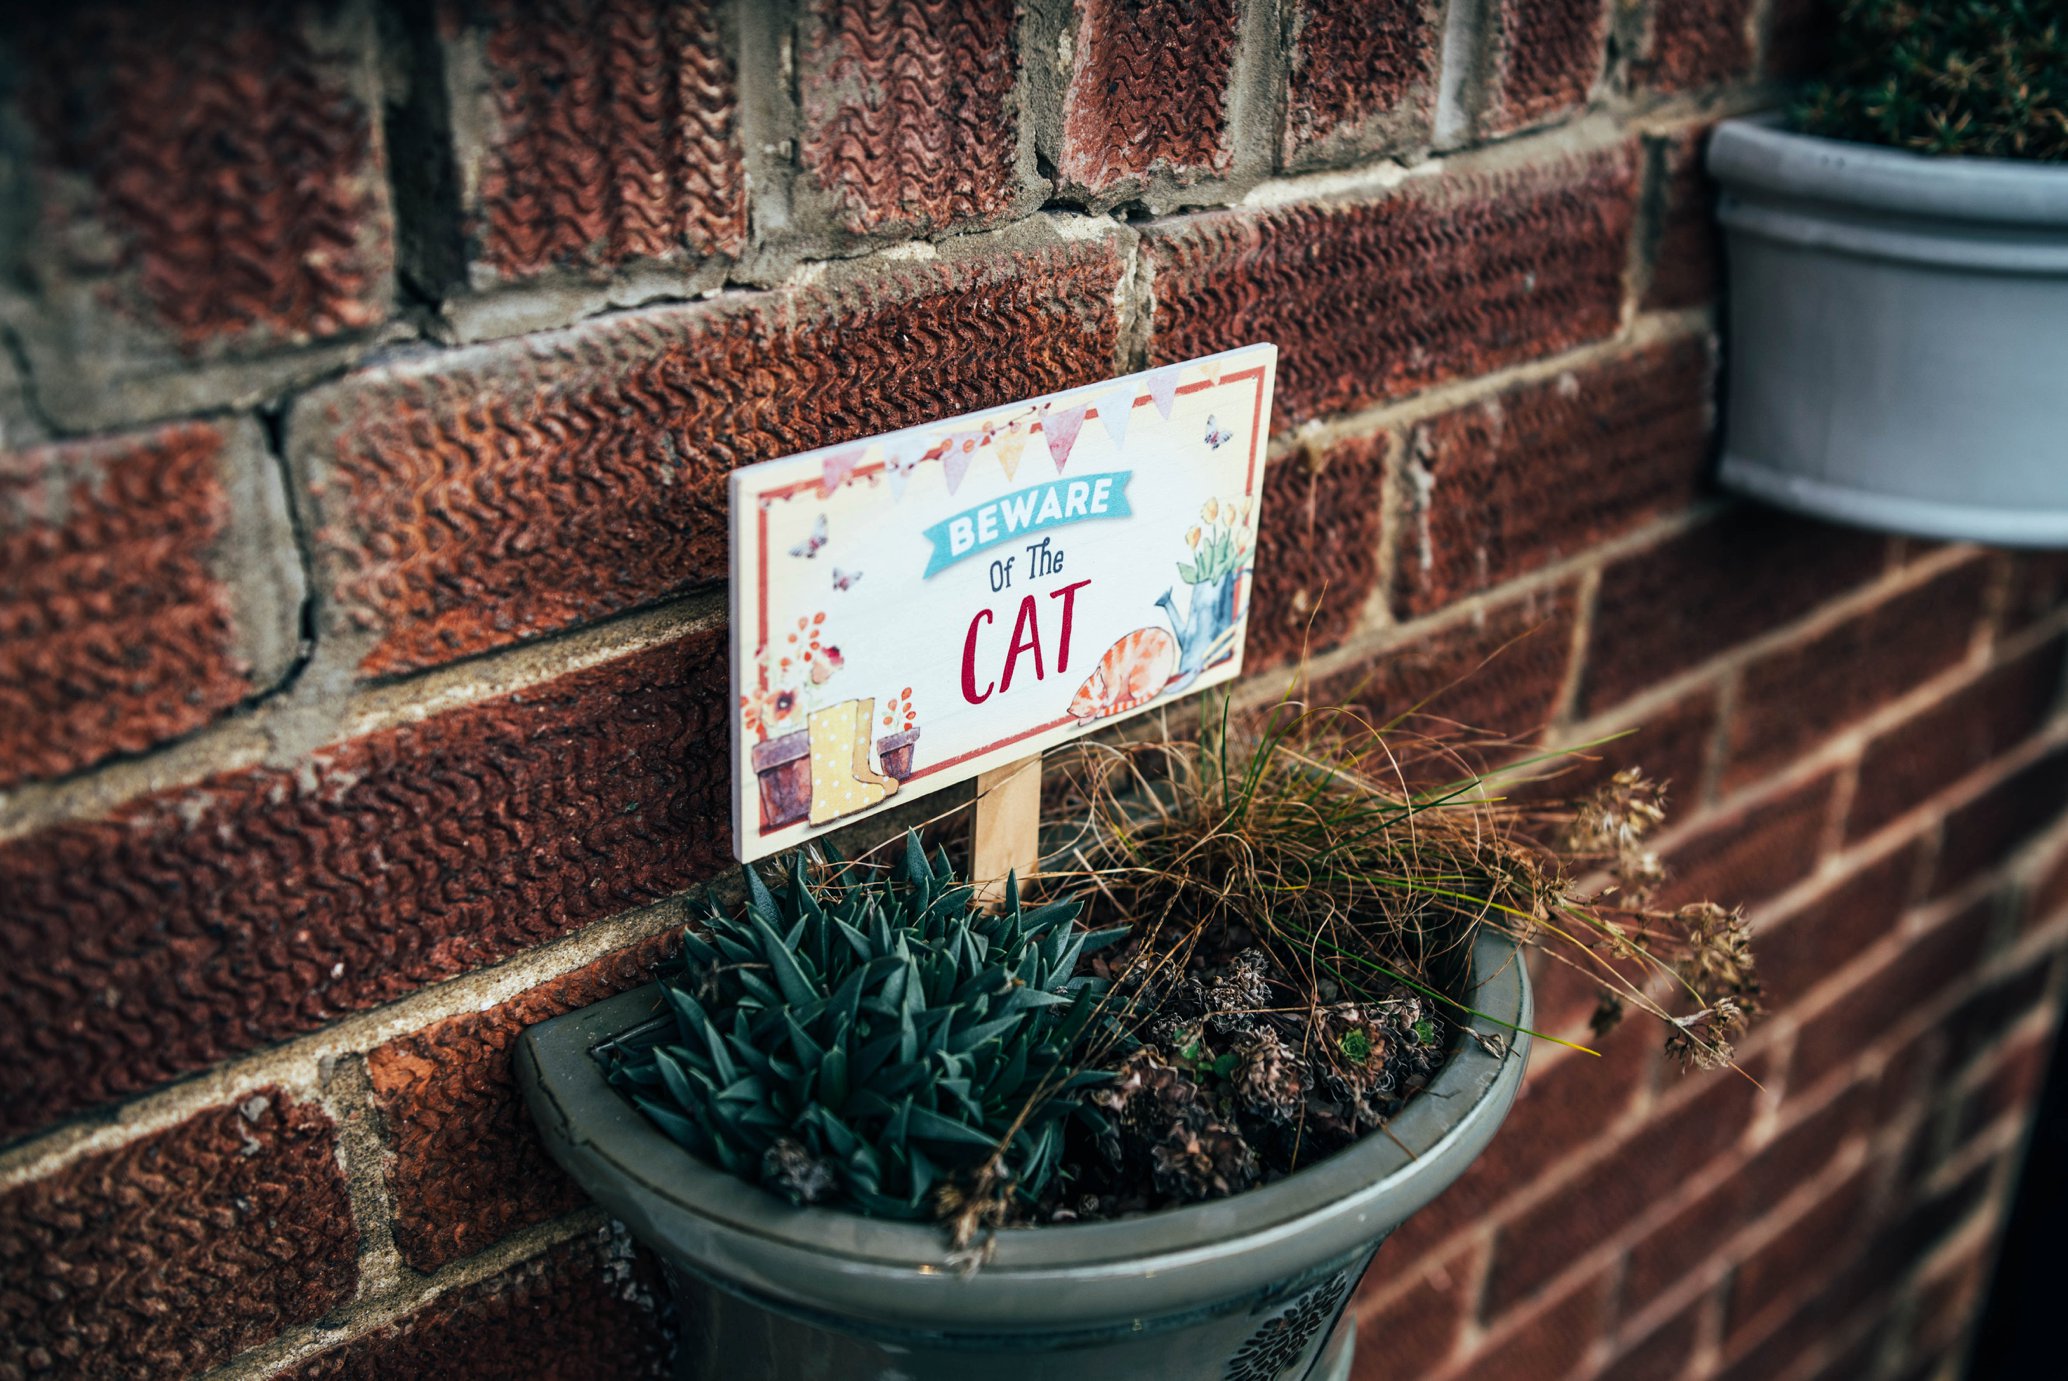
(1414, 1332)
(122, 621)
(1317, 549)
(2010, 1089)
(594, 135)
(1624, 1182)
(1754, 853)
(2047, 900)
(1701, 1232)
(1669, 743)
(908, 114)
(1148, 95)
(1805, 1297)
(582, 1309)
(1693, 596)
(1545, 58)
(1663, 1353)
(1950, 1302)
(210, 184)
(1782, 1270)
(1908, 763)
(1447, 277)
(1916, 978)
(1981, 1022)
(198, 923)
(1551, 1342)
(1693, 44)
(1545, 470)
(468, 500)
(1685, 250)
(1360, 77)
(1820, 938)
(2038, 588)
(1994, 825)
(1791, 699)
(1501, 671)
(468, 1168)
(172, 1253)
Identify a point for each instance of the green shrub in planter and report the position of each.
(1985, 78)
(851, 1043)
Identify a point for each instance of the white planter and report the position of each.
(1898, 335)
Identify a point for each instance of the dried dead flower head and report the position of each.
(1613, 823)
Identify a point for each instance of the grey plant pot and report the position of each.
(1244, 1289)
(1898, 335)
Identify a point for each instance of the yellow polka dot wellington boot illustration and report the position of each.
(841, 779)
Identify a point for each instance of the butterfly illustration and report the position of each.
(844, 580)
(1216, 435)
(810, 545)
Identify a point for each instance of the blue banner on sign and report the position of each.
(1056, 503)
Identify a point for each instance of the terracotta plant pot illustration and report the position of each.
(783, 767)
(894, 752)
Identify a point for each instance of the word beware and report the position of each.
(1053, 504)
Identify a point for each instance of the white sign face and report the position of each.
(913, 609)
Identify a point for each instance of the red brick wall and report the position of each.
(370, 374)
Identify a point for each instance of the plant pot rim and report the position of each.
(896, 1274)
(1755, 154)
(890, 743)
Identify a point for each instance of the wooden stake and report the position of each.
(1007, 834)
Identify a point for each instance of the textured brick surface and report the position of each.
(1815, 941)
(579, 1311)
(908, 110)
(468, 1167)
(1696, 43)
(1317, 550)
(1412, 1333)
(167, 1256)
(211, 172)
(1917, 977)
(1755, 852)
(1148, 92)
(2038, 588)
(1790, 700)
(1909, 762)
(1499, 488)
(117, 631)
(1543, 1241)
(1700, 1230)
(1663, 1353)
(1359, 74)
(1988, 829)
(1686, 250)
(1670, 743)
(197, 924)
(1377, 300)
(1693, 596)
(1551, 1342)
(1501, 673)
(470, 500)
(607, 133)
(1545, 58)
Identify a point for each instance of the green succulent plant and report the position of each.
(1977, 77)
(858, 1042)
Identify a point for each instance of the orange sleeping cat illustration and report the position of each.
(1132, 672)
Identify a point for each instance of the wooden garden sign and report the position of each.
(944, 602)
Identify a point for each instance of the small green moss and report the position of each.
(1356, 1046)
(1425, 1032)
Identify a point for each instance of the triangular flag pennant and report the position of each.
(1116, 408)
(955, 459)
(835, 469)
(899, 463)
(1061, 428)
(1008, 444)
(1163, 388)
